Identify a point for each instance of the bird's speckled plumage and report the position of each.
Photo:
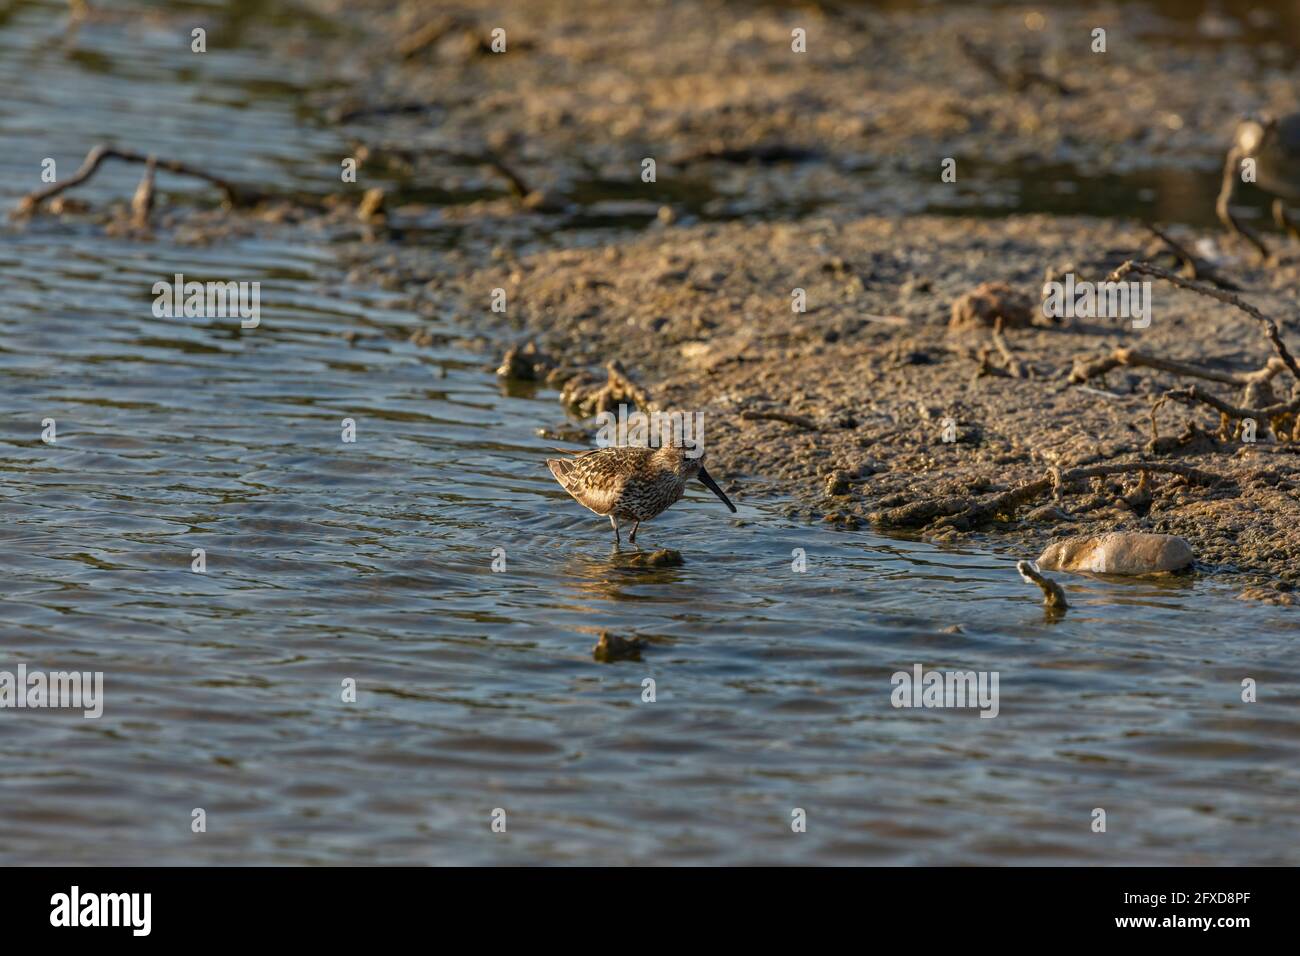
(629, 483)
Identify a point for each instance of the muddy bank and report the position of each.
(739, 123)
(452, 140)
(522, 171)
(845, 406)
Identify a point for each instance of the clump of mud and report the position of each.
(612, 647)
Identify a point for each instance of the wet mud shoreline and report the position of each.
(844, 407)
(776, 171)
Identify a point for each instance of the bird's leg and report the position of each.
(614, 522)
(1283, 220)
(632, 536)
(1227, 190)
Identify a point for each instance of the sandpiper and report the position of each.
(1274, 145)
(630, 483)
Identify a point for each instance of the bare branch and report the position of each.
(235, 195)
(1196, 267)
(1014, 366)
(142, 201)
(963, 513)
(1193, 393)
(1053, 596)
(1270, 327)
(1133, 358)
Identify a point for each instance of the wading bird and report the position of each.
(1274, 146)
(629, 483)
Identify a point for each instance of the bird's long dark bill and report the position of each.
(707, 481)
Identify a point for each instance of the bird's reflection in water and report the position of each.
(627, 574)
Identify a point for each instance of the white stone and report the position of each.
(1119, 552)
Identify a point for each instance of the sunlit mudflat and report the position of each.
(477, 690)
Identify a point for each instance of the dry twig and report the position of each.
(142, 201)
(1155, 430)
(963, 513)
(1193, 393)
(1269, 326)
(1053, 595)
(1133, 359)
(1013, 365)
(235, 195)
(1195, 267)
(428, 35)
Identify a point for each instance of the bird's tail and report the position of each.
(560, 468)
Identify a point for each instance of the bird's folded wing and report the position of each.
(594, 488)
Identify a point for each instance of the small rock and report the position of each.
(988, 302)
(695, 351)
(67, 205)
(663, 558)
(848, 521)
(1048, 513)
(837, 483)
(914, 285)
(611, 647)
(1269, 596)
(1119, 552)
(525, 364)
(557, 377)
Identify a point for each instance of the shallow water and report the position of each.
(477, 689)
